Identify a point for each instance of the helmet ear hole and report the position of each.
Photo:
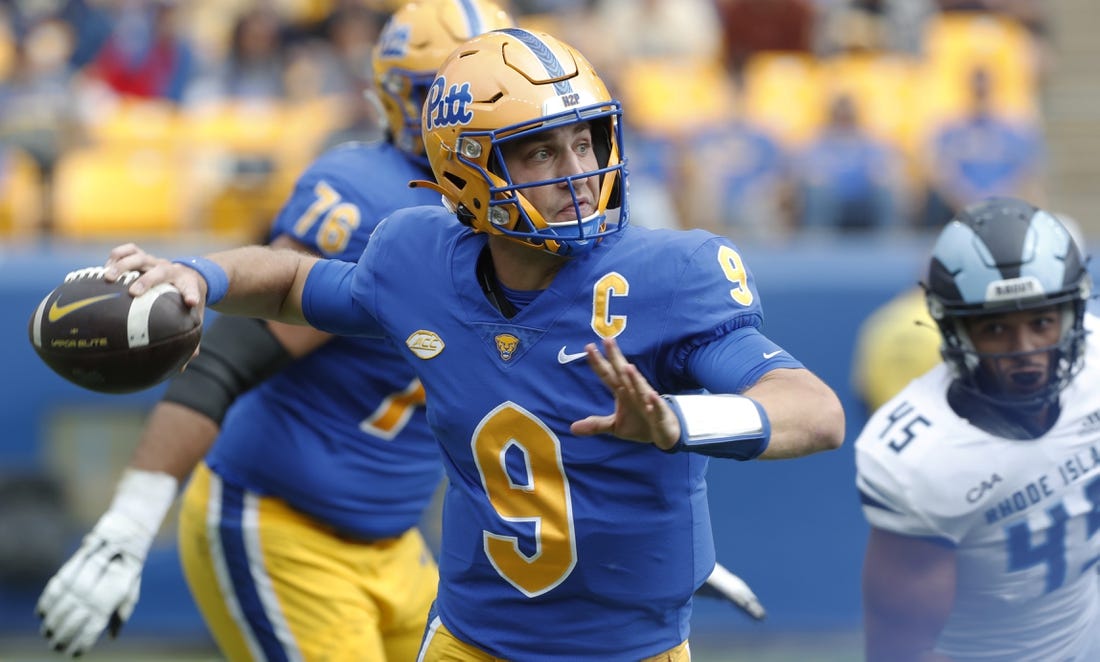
(456, 181)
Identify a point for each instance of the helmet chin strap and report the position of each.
(569, 246)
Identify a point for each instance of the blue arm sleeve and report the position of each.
(735, 361)
(328, 304)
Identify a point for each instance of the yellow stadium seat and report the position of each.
(247, 157)
(251, 128)
(882, 86)
(7, 49)
(101, 193)
(278, 131)
(133, 122)
(656, 92)
(20, 194)
(784, 92)
(957, 42)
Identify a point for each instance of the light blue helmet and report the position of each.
(1003, 255)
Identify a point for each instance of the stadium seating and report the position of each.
(957, 42)
(20, 193)
(881, 85)
(133, 123)
(657, 90)
(115, 192)
(784, 92)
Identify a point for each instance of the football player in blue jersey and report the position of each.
(981, 478)
(580, 371)
(298, 533)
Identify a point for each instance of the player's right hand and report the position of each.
(97, 588)
(155, 270)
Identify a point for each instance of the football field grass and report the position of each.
(793, 647)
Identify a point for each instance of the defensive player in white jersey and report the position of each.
(981, 479)
(579, 370)
(298, 532)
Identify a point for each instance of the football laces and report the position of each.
(126, 278)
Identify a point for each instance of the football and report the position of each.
(97, 336)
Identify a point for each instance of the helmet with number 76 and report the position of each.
(413, 43)
(510, 85)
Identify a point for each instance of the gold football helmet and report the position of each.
(413, 43)
(507, 85)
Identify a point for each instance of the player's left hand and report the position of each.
(640, 412)
(725, 585)
(96, 589)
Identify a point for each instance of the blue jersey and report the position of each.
(340, 433)
(554, 546)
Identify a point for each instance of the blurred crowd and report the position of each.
(753, 118)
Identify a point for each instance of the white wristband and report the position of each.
(145, 497)
(722, 425)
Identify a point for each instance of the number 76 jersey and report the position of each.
(1023, 516)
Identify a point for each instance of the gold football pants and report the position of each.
(273, 584)
(442, 646)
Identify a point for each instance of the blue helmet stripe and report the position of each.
(475, 24)
(545, 55)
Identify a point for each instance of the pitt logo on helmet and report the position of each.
(450, 107)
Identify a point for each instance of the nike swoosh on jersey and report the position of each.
(564, 358)
(772, 355)
(57, 312)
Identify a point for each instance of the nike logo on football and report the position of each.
(57, 312)
(564, 358)
(771, 355)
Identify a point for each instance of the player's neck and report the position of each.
(521, 267)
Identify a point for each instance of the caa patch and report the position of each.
(506, 345)
(448, 105)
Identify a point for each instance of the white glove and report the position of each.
(98, 587)
(725, 585)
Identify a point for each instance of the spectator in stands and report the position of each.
(351, 32)
(89, 21)
(618, 33)
(653, 178)
(1031, 14)
(145, 55)
(656, 28)
(37, 113)
(881, 25)
(734, 180)
(255, 66)
(981, 155)
(847, 179)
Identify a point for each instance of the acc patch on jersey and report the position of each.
(425, 344)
